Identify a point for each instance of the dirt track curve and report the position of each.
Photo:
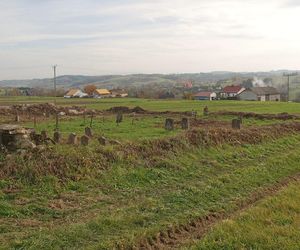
(173, 238)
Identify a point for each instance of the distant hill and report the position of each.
(112, 81)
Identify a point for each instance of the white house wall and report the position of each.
(213, 96)
(274, 98)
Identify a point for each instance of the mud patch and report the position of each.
(281, 116)
(139, 110)
(45, 109)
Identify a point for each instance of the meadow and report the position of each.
(272, 223)
(162, 105)
(163, 189)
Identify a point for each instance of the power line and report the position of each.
(54, 81)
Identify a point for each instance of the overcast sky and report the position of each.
(98, 37)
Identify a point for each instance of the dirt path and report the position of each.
(176, 237)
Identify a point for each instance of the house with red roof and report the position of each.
(231, 91)
(205, 96)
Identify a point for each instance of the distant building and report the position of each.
(263, 94)
(75, 93)
(166, 95)
(188, 85)
(118, 93)
(102, 93)
(207, 95)
(231, 91)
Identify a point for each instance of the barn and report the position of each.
(202, 96)
(263, 94)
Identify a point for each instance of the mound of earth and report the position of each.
(123, 109)
(45, 109)
(281, 116)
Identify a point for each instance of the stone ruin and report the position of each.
(88, 132)
(236, 124)
(57, 137)
(169, 124)
(84, 140)
(102, 140)
(185, 123)
(15, 137)
(119, 118)
(72, 139)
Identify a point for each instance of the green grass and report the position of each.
(163, 105)
(124, 203)
(271, 224)
(140, 128)
(127, 203)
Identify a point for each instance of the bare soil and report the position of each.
(281, 116)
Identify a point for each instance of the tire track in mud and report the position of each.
(176, 237)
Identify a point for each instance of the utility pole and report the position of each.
(288, 75)
(54, 82)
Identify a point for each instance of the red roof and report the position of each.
(205, 94)
(232, 89)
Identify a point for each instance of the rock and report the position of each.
(119, 109)
(44, 135)
(236, 124)
(138, 110)
(84, 140)
(102, 140)
(72, 139)
(185, 123)
(169, 124)
(73, 112)
(88, 132)
(119, 118)
(57, 137)
(25, 144)
(14, 137)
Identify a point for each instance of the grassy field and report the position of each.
(138, 128)
(163, 105)
(271, 224)
(126, 204)
(75, 197)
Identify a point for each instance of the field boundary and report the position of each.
(266, 116)
(46, 161)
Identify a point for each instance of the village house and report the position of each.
(263, 94)
(75, 93)
(102, 93)
(230, 92)
(205, 96)
(118, 93)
